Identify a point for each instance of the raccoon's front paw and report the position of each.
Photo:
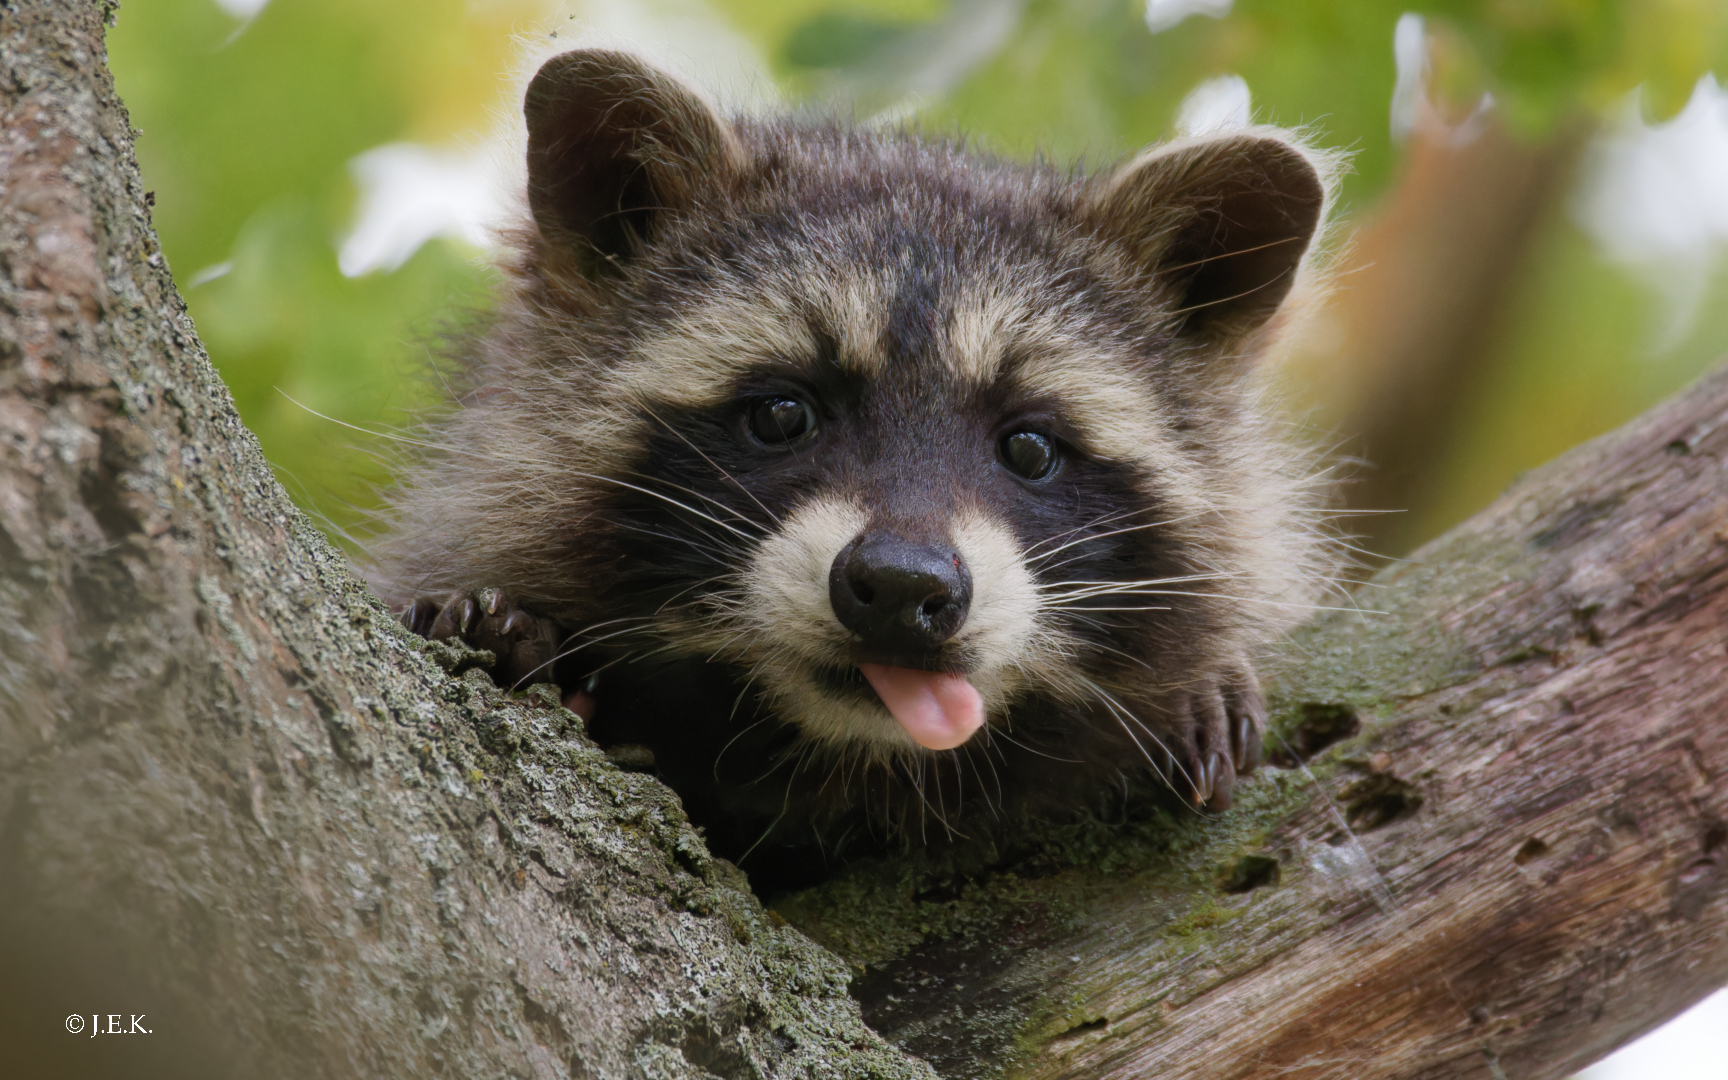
(487, 619)
(1226, 722)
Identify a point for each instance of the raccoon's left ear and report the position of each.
(613, 147)
(1219, 224)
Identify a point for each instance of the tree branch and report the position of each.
(234, 795)
(237, 798)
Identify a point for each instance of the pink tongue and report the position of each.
(937, 709)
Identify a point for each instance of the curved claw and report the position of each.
(488, 619)
(1224, 721)
(457, 619)
(1246, 708)
(419, 616)
(1223, 784)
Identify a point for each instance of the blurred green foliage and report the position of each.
(247, 134)
(1574, 361)
(249, 129)
(1085, 77)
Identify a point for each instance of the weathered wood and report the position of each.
(1539, 800)
(234, 796)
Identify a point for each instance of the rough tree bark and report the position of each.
(235, 797)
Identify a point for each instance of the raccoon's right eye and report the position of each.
(1029, 453)
(776, 421)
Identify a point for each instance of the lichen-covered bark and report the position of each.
(235, 797)
(1509, 855)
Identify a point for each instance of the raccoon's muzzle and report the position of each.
(903, 599)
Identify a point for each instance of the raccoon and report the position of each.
(876, 490)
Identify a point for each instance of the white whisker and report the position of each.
(1112, 532)
(771, 515)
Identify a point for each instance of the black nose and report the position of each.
(898, 596)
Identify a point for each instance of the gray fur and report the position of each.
(949, 289)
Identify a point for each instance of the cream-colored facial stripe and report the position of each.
(977, 330)
(1116, 413)
(786, 608)
(1003, 616)
(696, 362)
(851, 306)
(792, 633)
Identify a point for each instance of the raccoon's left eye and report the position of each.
(1029, 453)
(776, 421)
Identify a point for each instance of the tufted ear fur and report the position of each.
(613, 146)
(1219, 223)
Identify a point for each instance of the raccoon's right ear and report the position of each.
(1218, 225)
(613, 147)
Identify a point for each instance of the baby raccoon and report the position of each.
(881, 490)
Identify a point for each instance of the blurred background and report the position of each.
(1529, 247)
(1529, 244)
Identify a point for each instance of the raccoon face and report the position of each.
(910, 437)
(896, 500)
(950, 467)
(904, 473)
